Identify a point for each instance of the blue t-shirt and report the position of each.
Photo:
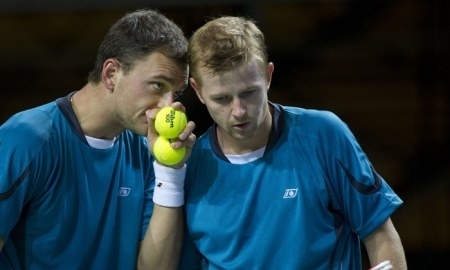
(64, 204)
(305, 204)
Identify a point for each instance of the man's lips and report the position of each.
(241, 125)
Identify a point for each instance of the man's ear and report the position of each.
(196, 88)
(109, 72)
(269, 71)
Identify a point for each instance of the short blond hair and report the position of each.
(224, 43)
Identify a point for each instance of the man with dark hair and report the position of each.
(77, 178)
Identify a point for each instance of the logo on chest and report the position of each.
(290, 193)
(124, 191)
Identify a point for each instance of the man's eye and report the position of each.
(248, 93)
(222, 100)
(158, 86)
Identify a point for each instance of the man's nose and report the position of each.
(238, 108)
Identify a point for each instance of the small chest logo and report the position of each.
(124, 191)
(290, 193)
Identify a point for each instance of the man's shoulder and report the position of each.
(307, 117)
(30, 126)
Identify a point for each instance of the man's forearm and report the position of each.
(162, 243)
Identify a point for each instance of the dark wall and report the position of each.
(382, 66)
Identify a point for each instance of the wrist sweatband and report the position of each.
(385, 265)
(169, 185)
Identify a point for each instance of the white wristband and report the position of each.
(385, 265)
(169, 185)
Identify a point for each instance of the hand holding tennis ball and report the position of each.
(169, 123)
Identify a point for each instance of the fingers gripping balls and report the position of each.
(169, 123)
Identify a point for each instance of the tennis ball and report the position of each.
(170, 122)
(165, 154)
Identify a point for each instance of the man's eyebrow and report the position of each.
(165, 78)
(171, 81)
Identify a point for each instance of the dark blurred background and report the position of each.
(381, 65)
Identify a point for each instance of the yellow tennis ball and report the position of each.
(170, 122)
(165, 154)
